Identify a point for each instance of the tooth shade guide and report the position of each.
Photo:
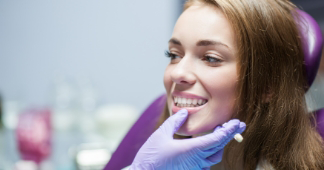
(238, 137)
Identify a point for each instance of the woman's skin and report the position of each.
(203, 66)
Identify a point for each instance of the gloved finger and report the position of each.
(216, 158)
(218, 136)
(211, 151)
(218, 127)
(240, 130)
(174, 122)
(208, 152)
(242, 126)
(212, 160)
(208, 168)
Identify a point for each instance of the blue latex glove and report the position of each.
(162, 152)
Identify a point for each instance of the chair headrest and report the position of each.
(312, 42)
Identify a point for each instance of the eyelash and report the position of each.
(206, 58)
(170, 55)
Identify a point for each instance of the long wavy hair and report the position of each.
(271, 88)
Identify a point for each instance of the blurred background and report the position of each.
(75, 75)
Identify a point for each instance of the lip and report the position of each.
(191, 110)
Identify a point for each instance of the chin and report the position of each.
(186, 130)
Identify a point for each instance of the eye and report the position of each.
(212, 60)
(171, 55)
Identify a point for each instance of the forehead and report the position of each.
(203, 22)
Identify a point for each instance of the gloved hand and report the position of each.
(162, 152)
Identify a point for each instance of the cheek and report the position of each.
(167, 79)
(222, 91)
(168, 86)
(223, 85)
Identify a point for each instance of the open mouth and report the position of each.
(188, 102)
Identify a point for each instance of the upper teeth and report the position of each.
(188, 101)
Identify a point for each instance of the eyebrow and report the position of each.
(174, 41)
(210, 42)
(199, 43)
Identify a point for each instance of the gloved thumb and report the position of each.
(174, 122)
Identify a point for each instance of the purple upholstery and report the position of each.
(137, 135)
(312, 44)
(144, 127)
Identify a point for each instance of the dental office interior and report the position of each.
(76, 75)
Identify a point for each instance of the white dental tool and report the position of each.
(238, 137)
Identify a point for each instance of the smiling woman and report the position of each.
(245, 60)
(203, 66)
(241, 60)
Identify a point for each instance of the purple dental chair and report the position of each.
(144, 126)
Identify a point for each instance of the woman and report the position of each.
(239, 59)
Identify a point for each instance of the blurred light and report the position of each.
(26, 165)
(93, 157)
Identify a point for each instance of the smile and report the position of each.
(188, 102)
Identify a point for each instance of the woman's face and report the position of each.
(202, 75)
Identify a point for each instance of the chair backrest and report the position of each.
(312, 44)
(144, 127)
(312, 40)
(137, 135)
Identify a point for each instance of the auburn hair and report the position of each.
(271, 88)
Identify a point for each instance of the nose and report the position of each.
(183, 73)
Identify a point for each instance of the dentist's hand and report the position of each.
(162, 152)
